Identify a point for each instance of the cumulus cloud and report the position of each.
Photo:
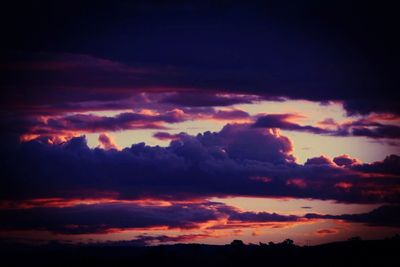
(321, 160)
(389, 165)
(223, 163)
(244, 143)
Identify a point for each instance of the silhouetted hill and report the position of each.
(349, 253)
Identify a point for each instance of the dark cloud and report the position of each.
(231, 114)
(281, 121)
(191, 167)
(370, 127)
(389, 165)
(261, 217)
(381, 131)
(240, 142)
(363, 127)
(105, 217)
(168, 136)
(100, 218)
(204, 100)
(145, 240)
(274, 49)
(95, 123)
(321, 160)
(388, 215)
(344, 160)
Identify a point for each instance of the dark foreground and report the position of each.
(349, 253)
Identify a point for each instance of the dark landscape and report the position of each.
(354, 252)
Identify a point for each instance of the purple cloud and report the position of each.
(168, 136)
(67, 79)
(321, 160)
(344, 160)
(203, 99)
(362, 127)
(281, 121)
(231, 114)
(388, 215)
(100, 218)
(193, 167)
(107, 142)
(95, 123)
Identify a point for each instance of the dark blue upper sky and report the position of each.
(336, 50)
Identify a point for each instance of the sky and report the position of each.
(162, 122)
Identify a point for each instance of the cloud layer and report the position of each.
(103, 218)
(252, 161)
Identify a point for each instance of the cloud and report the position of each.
(373, 126)
(145, 240)
(231, 114)
(321, 160)
(204, 56)
(240, 142)
(387, 215)
(345, 160)
(106, 217)
(380, 131)
(204, 99)
(71, 78)
(107, 142)
(261, 217)
(328, 231)
(94, 123)
(192, 167)
(282, 121)
(208, 216)
(370, 127)
(167, 136)
(389, 165)
(159, 116)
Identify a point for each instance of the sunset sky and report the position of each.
(161, 122)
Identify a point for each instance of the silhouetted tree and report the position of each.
(396, 237)
(237, 243)
(287, 243)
